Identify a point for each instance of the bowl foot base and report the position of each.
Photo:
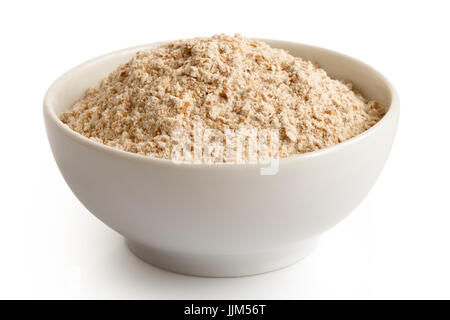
(223, 265)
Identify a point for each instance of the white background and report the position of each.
(395, 245)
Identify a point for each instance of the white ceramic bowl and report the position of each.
(221, 219)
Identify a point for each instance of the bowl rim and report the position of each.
(50, 114)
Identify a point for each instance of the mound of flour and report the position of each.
(172, 101)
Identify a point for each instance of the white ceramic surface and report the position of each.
(221, 219)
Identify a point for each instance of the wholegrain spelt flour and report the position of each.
(163, 101)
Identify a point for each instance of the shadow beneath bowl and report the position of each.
(129, 277)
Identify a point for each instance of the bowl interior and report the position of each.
(73, 84)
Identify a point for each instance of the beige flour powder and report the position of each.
(163, 101)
